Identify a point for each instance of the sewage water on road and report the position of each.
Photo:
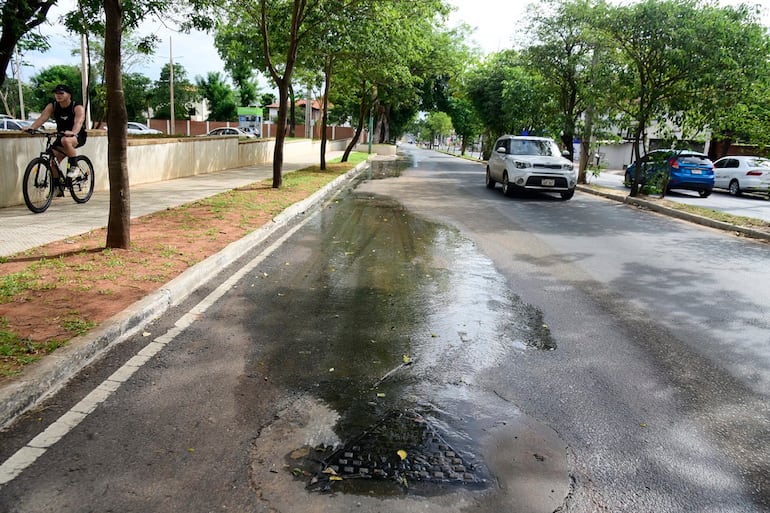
(398, 318)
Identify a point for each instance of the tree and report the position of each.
(733, 102)
(9, 95)
(280, 25)
(384, 64)
(563, 57)
(19, 18)
(111, 18)
(668, 52)
(509, 97)
(266, 99)
(44, 82)
(118, 222)
(243, 79)
(438, 125)
(137, 95)
(185, 93)
(465, 121)
(135, 50)
(220, 97)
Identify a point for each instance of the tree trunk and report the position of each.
(362, 109)
(636, 179)
(292, 112)
(325, 108)
(119, 221)
(585, 145)
(280, 133)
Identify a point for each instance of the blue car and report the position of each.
(689, 170)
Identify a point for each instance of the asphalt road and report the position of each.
(582, 354)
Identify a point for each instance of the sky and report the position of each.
(196, 52)
(496, 28)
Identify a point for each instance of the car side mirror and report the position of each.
(565, 154)
(501, 150)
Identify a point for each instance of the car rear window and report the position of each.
(699, 160)
(758, 162)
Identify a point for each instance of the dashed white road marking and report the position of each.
(35, 448)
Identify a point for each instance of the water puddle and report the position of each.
(400, 318)
(387, 167)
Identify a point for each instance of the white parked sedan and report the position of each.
(139, 128)
(530, 163)
(231, 130)
(742, 174)
(10, 124)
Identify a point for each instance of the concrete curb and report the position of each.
(672, 212)
(54, 371)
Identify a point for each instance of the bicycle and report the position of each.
(43, 175)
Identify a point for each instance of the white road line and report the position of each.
(26, 456)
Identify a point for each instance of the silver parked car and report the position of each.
(231, 130)
(530, 163)
(10, 124)
(742, 174)
(135, 128)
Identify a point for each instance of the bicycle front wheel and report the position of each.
(81, 186)
(38, 185)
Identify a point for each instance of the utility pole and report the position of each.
(22, 115)
(172, 129)
(84, 74)
(309, 113)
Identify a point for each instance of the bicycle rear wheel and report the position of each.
(38, 185)
(81, 186)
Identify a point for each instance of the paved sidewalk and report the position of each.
(23, 230)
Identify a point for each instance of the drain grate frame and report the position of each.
(405, 448)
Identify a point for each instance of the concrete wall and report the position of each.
(149, 160)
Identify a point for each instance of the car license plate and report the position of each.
(548, 182)
(697, 172)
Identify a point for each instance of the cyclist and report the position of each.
(70, 121)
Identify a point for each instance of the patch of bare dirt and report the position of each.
(75, 284)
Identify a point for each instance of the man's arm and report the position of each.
(80, 117)
(47, 111)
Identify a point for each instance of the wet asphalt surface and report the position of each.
(530, 342)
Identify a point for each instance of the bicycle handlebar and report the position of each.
(37, 131)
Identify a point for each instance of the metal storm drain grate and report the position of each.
(403, 448)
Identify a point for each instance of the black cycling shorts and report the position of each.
(81, 136)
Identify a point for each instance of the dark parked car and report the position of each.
(686, 169)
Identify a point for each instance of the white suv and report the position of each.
(530, 163)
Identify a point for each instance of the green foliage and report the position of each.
(185, 93)
(136, 89)
(9, 93)
(563, 57)
(465, 120)
(508, 96)
(220, 97)
(245, 85)
(19, 18)
(266, 99)
(44, 82)
(438, 125)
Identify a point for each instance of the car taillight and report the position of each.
(674, 163)
(754, 172)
